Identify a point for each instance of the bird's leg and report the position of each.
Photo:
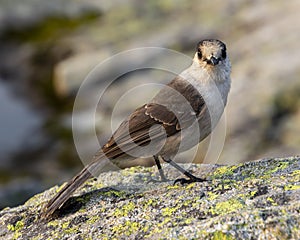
(161, 172)
(191, 177)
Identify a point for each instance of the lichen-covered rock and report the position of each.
(254, 200)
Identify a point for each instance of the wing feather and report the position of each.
(145, 123)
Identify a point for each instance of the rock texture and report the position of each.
(253, 200)
(48, 47)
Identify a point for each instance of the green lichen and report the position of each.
(53, 224)
(211, 196)
(64, 228)
(90, 238)
(219, 235)
(154, 231)
(252, 193)
(82, 210)
(231, 205)
(60, 187)
(192, 185)
(71, 230)
(11, 227)
(16, 228)
(125, 210)
(65, 225)
(168, 211)
(276, 167)
(93, 220)
(92, 184)
(17, 235)
(166, 220)
(115, 193)
(186, 203)
(83, 199)
(170, 187)
(188, 221)
(225, 185)
(296, 175)
(291, 187)
(133, 170)
(224, 171)
(271, 200)
(195, 202)
(150, 202)
(128, 228)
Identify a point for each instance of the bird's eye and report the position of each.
(199, 54)
(223, 53)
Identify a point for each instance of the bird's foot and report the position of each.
(183, 181)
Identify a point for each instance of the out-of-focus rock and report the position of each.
(17, 15)
(262, 43)
(265, 66)
(70, 74)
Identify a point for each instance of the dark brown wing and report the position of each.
(140, 126)
(182, 99)
(176, 106)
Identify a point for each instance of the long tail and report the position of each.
(99, 164)
(63, 195)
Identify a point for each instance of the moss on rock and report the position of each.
(257, 199)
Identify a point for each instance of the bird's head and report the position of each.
(210, 53)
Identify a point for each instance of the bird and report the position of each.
(180, 115)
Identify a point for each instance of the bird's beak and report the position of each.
(213, 61)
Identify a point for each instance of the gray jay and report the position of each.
(182, 114)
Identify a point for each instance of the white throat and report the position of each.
(212, 83)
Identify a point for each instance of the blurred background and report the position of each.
(48, 47)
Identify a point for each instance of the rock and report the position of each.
(51, 45)
(260, 77)
(253, 200)
(15, 15)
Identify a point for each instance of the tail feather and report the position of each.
(62, 196)
(99, 164)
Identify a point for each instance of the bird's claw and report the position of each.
(183, 181)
